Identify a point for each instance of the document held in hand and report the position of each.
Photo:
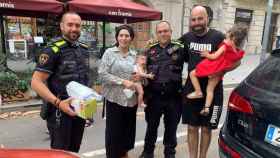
(84, 101)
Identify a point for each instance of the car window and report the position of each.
(267, 75)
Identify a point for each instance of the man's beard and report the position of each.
(199, 31)
(72, 37)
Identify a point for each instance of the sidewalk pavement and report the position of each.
(248, 64)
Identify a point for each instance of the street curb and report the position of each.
(21, 106)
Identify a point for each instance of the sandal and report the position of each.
(205, 111)
(194, 95)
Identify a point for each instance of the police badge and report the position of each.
(43, 58)
(172, 49)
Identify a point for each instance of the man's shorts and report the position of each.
(192, 107)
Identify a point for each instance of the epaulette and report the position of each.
(57, 44)
(83, 45)
(153, 44)
(176, 42)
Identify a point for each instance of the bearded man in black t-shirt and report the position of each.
(200, 38)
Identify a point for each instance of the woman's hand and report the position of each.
(128, 84)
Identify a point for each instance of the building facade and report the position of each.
(225, 14)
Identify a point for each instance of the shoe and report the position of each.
(146, 155)
(205, 111)
(194, 95)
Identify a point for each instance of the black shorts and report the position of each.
(192, 107)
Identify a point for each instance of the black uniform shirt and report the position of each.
(65, 62)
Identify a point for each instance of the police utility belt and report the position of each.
(165, 88)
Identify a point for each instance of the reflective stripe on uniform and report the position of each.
(55, 49)
(178, 43)
(59, 43)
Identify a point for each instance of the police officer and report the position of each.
(165, 60)
(64, 60)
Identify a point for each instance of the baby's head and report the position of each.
(238, 34)
(141, 58)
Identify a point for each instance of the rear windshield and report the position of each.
(267, 75)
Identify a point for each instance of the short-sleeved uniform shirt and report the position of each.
(191, 108)
(53, 60)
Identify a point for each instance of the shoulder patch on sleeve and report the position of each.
(43, 58)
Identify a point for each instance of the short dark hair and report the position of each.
(124, 27)
(238, 33)
(164, 21)
(68, 13)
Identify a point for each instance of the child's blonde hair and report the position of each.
(238, 33)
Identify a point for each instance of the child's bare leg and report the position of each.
(212, 83)
(197, 89)
(140, 91)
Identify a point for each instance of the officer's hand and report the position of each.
(128, 84)
(64, 106)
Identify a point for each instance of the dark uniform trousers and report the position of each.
(66, 133)
(162, 95)
(170, 106)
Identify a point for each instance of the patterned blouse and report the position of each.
(115, 68)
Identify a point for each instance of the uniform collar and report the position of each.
(167, 46)
(71, 43)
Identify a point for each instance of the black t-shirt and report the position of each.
(195, 44)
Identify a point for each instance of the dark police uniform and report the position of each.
(163, 95)
(64, 62)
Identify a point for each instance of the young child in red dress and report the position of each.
(216, 64)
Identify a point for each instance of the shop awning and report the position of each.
(30, 8)
(119, 11)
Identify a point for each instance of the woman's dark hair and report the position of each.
(123, 27)
(238, 33)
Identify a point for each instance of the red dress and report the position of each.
(224, 62)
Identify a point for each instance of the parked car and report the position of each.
(35, 153)
(252, 126)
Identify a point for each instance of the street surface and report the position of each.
(30, 132)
